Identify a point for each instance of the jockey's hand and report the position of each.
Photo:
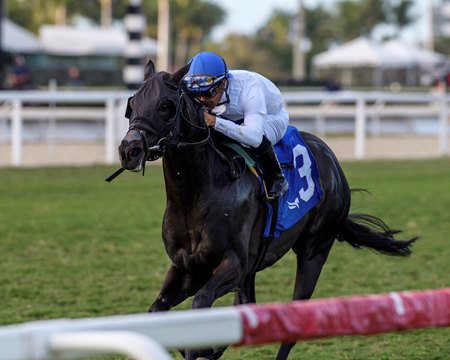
(210, 119)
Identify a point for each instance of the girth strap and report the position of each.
(266, 241)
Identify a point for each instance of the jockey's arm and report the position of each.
(250, 132)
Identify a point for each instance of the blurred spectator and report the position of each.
(332, 84)
(20, 77)
(74, 75)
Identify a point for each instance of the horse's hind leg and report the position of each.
(309, 267)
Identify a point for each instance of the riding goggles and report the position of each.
(211, 92)
(196, 82)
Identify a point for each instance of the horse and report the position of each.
(213, 223)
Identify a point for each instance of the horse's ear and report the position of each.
(178, 75)
(149, 69)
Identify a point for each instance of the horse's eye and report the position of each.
(166, 109)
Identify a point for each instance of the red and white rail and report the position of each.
(145, 337)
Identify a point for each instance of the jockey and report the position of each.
(243, 105)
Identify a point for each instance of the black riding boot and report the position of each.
(273, 176)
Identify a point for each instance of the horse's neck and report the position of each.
(190, 165)
(188, 171)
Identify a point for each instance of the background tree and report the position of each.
(319, 33)
(268, 51)
(32, 14)
(401, 15)
(243, 52)
(192, 22)
(323, 27)
(273, 39)
(442, 45)
(271, 47)
(356, 18)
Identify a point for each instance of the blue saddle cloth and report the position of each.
(300, 170)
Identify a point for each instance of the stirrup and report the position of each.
(278, 188)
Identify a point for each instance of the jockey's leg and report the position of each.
(273, 176)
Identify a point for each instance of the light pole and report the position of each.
(298, 58)
(162, 63)
(106, 13)
(430, 22)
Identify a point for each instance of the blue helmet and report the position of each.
(206, 70)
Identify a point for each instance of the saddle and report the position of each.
(299, 168)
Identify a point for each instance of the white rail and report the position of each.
(126, 343)
(365, 106)
(109, 106)
(63, 338)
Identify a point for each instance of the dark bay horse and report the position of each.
(212, 226)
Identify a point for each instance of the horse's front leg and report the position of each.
(226, 278)
(177, 287)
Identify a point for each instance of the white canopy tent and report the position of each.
(16, 39)
(360, 52)
(69, 40)
(412, 55)
(379, 57)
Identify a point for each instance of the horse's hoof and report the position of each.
(202, 358)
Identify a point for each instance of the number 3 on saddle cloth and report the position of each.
(300, 170)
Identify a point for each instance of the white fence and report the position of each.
(366, 110)
(370, 108)
(108, 106)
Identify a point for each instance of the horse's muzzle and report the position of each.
(132, 151)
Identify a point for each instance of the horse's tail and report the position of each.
(362, 230)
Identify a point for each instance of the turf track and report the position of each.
(73, 245)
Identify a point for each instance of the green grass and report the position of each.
(72, 245)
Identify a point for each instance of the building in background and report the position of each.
(98, 52)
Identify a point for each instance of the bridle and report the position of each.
(154, 152)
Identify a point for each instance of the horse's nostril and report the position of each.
(135, 152)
